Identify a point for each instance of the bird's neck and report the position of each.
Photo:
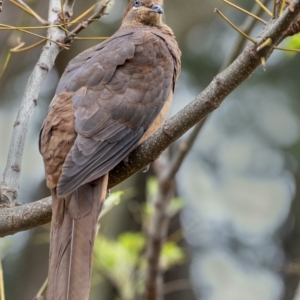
(162, 27)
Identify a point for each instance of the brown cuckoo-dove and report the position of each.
(110, 98)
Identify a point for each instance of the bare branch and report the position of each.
(68, 8)
(235, 27)
(31, 215)
(264, 8)
(102, 9)
(37, 213)
(245, 11)
(21, 4)
(9, 186)
(211, 98)
(247, 27)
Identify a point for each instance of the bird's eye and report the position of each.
(137, 3)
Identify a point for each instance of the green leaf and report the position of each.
(175, 206)
(171, 255)
(152, 186)
(292, 43)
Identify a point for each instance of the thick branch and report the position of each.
(211, 98)
(28, 216)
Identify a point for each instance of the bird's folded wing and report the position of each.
(119, 89)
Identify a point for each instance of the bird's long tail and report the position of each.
(73, 230)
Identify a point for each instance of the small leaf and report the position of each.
(171, 255)
(175, 206)
(292, 43)
(152, 186)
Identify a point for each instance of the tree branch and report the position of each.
(246, 27)
(68, 8)
(10, 184)
(102, 9)
(28, 216)
(210, 99)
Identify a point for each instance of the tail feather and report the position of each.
(72, 241)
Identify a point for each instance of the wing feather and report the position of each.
(119, 89)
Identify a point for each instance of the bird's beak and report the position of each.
(157, 9)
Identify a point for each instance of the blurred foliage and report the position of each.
(123, 263)
(176, 204)
(2, 297)
(4, 247)
(293, 43)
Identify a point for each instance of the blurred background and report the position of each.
(237, 235)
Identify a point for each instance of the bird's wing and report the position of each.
(119, 89)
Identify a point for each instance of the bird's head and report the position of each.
(143, 13)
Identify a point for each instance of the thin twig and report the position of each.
(26, 8)
(6, 27)
(264, 8)
(282, 7)
(80, 17)
(7, 59)
(2, 294)
(206, 102)
(62, 14)
(41, 290)
(245, 11)
(28, 47)
(246, 27)
(235, 27)
(90, 38)
(34, 34)
(96, 16)
(274, 9)
(267, 42)
(68, 8)
(286, 49)
(263, 63)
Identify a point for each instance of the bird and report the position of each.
(110, 98)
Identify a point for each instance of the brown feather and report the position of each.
(72, 241)
(110, 98)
